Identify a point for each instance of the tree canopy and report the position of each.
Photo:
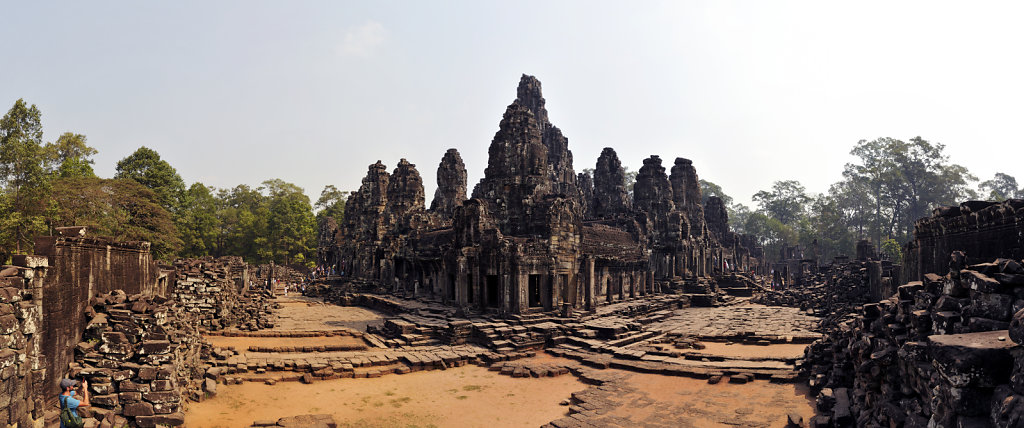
(145, 167)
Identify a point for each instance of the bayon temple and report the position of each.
(534, 235)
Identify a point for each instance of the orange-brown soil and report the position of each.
(243, 343)
(663, 401)
(467, 396)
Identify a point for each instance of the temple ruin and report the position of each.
(534, 235)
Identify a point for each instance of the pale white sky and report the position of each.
(235, 92)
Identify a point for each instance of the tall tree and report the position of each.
(1001, 187)
(23, 175)
(291, 229)
(145, 167)
(330, 204)
(70, 156)
(242, 219)
(119, 208)
(903, 181)
(785, 202)
(709, 189)
(199, 224)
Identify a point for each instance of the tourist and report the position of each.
(66, 398)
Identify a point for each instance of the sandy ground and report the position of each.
(738, 350)
(243, 343)
(299, 313)
(662, 401)
(468, 396)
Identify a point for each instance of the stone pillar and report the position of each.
(506, 293)
(588, 283)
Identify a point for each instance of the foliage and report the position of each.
(146, 167)
(709, 189)
(122, 209)
(892, 250)
(901, 182)
(70, 156)
(630, 178)
(23, 174)
(1000, 188)
(290, 225)
(330, 204)
(785, 202)
(198, 221)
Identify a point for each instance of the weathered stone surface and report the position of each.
(577, 245)
(686, 194)
(973, 359)
(716, 217)
(405, 193)
(610, 196)
(451, 185)
(138, 409)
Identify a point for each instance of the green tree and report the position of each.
(330, 204)
(825, 224)
(242, 221)
(785, 202)
(892, 250)
(770, 233)
(122, 209)
(738, 215)
(291, 234)
(630, 177)
(145, 167)
(902, 182)
(1001, 187)
(199, 224)
(23, 175)
(709, 189)
(70, 156)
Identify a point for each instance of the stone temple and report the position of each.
(534, 235)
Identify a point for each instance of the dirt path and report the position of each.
(467, 396)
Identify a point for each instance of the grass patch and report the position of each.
(462, 397)
(398, 402)
(472, 388)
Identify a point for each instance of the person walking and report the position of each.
(68, 401)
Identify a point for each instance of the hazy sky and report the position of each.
(233, 92)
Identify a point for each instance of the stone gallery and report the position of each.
(534, 235)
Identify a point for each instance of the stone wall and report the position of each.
(982, 230)
(22, 374)
(81, 267)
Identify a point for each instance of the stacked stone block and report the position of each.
(937, 353)
(20, 371)
(215, 292)
(141, 356)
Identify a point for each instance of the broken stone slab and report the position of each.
(973, 359)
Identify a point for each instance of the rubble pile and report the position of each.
(141, 357)
(833, 291)
(936, 353)
(215, 290)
